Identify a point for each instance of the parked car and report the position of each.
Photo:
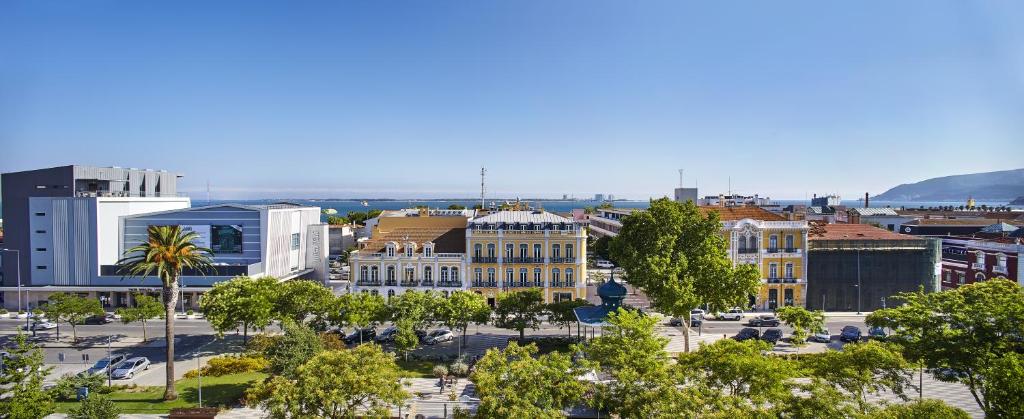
(850, 334)
(604, 264)
(126, 369)
(747, 333)
(696, 321)
(367, 335)
(40, 325)
(772, 335)
(101, 319)
(387, 335)
(764, 320)
(439, 335)
(822, 336)
(877, 333)
(103, 366)
(675, 321)
(735, 313)
(697, 313)
(421, 335)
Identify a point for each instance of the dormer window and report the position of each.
(979, 258)
(409, 247)
(390, 250)
(1001, 260)
(428, 250)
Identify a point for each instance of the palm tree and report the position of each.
(167, 252)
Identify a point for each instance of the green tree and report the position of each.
(72, 309)
(335, 220)
(815, 399)
(241, 302)
(678, 257)
(289, 351)
(405, 337)
(561, 312)
(22, 378)
(519, 310)
(462, 308)
(602, 247)
(802, 320)
(456, 207)
(334, 384)
(96, 406)
(515, 383)
(633, 355)
(374, 213)
(146, 307)
(167, 252)
(965, 331)
(67, 386)
(862, 369)
(1005, 393)
(363, 310)
(417, 307)
(302, 300)
(927, 408)
(741, 370)
(357, 217)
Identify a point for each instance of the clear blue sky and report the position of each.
(393, 98)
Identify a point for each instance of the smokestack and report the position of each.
(867, 200)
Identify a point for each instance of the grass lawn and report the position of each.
(217, 391)
(416, 369)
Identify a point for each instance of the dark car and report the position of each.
(772, 335)
(764, 320)
(696, 322)
(367, 335)
(101, 319)
(747, 333)
(421, 335)
(877, 333)
(850, 334)
(675, 322)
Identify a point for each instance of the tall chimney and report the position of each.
(867, 200)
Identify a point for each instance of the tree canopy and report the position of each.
(22, 378)
(72, 309)
(515, 383)
(241, 302)
(965, 334)
(802, 320)
(678, 257)
(302, 300)
(462, 308)
(519, 310)
(146, 307)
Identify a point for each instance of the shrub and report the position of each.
(3, 311)
(440, 371)
(67, 386)
(459, 369)
(95, 407)
(224, 365)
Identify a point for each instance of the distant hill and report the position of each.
(1003, 185)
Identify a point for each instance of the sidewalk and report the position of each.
(101, 342)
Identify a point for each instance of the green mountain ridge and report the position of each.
(1004, 185)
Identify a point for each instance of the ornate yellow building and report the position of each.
(777, 246)
(512, 250)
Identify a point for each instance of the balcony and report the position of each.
(481, 259)
(427, 282)
(483, 284)
(563, 260)
(410, 283)
(391, 283)
(526, 260)
(368, 283)
(786, 280)
(747, 251)
(1000, 269)
(449, 284)
(978, 266)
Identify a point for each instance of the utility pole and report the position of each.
(483, 172)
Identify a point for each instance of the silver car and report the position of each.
(104, 365)
(126, 369)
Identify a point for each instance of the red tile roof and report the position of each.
(739, 213)
(856, 232)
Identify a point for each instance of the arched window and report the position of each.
(491, 276)
(556, 251)
(510, 277)
(391, 293)
(522, 277)
(478, 250)
(524, 250)
(979, 277)
(391, 250)
(537, 282)
(773, 242)
(789, 242)
(510, 250)
(478, 274)
(979, 258)
(410, 274)
(569, 251)
(568, 278)
(374, 273)
(428, 250)
(390, 276)
(408, 250)
(490, 250)
(364, 273)
(537, 252)
(428, 273)
(444, 274)
(556, 278)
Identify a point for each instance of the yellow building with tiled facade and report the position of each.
(777, 246)
(514, 250)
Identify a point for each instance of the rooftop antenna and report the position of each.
(730, 185)
(207, 192)
(681, 177)
(483, 173)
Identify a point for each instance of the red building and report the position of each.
(967, 260)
